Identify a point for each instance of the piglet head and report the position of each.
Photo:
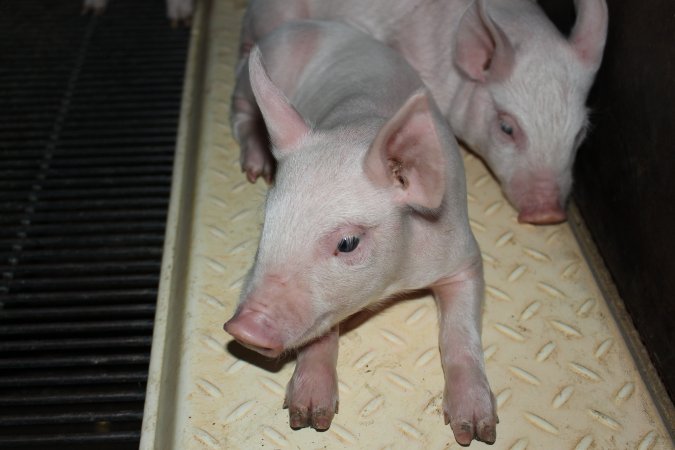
(527, 115)
(334, 235)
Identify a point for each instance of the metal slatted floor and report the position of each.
(88, 117)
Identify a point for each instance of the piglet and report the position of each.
(369, 201)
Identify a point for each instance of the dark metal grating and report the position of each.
(88, 117)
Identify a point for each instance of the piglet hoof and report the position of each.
(469, 406)
(257, 161)
(312, 397)
(253, 172)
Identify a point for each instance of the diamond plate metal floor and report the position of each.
(556, 360)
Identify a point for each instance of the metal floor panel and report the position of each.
(558, 361)
(88, 120)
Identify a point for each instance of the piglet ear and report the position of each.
(590, 32)
(284, 124)
(483, 52)
(407, 155)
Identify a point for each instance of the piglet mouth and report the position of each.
(269, 352)
(548, 214)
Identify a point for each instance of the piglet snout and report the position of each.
(254, 330)
(538, 198)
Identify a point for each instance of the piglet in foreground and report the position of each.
(369, 201)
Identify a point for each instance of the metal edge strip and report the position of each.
(161, 388)
(623, 320)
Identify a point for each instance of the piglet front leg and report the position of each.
(249, 130)
(468, 403)
(312, 392)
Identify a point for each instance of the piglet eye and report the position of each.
(348, 244)
(506, 128)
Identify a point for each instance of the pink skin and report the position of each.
(280, 303)
(255, 158)
(490, 63)
(312, 392)
(538, 198)
(549, 214)
(247, 122)
(256, 331)
(468, 404)
(381, 168)
(311, 395)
